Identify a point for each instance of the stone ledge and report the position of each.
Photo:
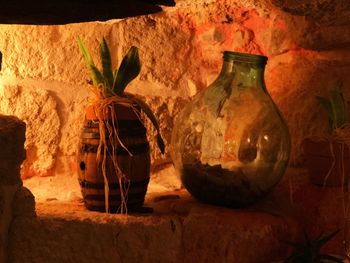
(180, 229)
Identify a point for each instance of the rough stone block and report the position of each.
(7, 192)
(316, 24)
(181, 53)
(38, 109)
(23, 203)
(12, 152)
(180, 230)
(294, 80)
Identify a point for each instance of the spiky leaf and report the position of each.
(128, 70)
(114, 78)
(335, 106)
(86, 54)
(324, 239)
(96, 75)
(160, 143)
(309, 250)
(338, 107)
(327, 106)
(106, 64)
(330, 258)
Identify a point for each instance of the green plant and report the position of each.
(309, 250)
(335, 106)
(111, 82)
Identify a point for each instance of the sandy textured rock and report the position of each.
(44, 82)
(23, 203)
(61, 187)
(325, 12)
(164, 178)
(7, 193)
(12, 137)
(212, 240)
(179, 230)
(64, 235)
(180, 45)
(181, 52)
(165, 109)
(54, 56)
(192, 38)
(12, 153)
(38, 109)
(315, 36)
(65, 187)
(324, 216)
(294, 80)
(316, 24)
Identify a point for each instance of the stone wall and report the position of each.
(44, 80)
(12, 154)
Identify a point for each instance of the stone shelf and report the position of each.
(180, 229)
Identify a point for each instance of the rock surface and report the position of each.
(12, 153)
(7, 193)
(318, 24)
(23, 203)
(181, 50)
(179, 230)
(38, 110)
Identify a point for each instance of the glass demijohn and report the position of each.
(230, 145)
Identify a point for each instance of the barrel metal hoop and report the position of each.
(116, 197)
(135, 206)
(112, 186)
(123, 133)
(118, 123)
(139, 148)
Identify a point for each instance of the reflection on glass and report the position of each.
(230, 145)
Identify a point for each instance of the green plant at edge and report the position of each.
(113, 82)
(309, 250)
(335, 106)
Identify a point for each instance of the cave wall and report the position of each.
(44, 80)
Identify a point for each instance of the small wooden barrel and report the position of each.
(136, 167)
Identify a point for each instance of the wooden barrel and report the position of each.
(136, 167)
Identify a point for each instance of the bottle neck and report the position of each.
(246, 72)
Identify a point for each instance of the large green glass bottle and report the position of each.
(230, 145)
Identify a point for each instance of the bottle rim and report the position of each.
(244, 57)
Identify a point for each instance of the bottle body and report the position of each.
(230, 145)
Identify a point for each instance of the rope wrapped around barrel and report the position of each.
(105, 107)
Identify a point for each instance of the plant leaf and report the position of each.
(115, 73)
(146, 109)
(96, 75)
(338, 107)
(309, 250)
(160, 143)
(327, 106)
(86, 54)
(128, 70)
(325, 239)
(331, 258)
(299, 246)
(106, 64)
